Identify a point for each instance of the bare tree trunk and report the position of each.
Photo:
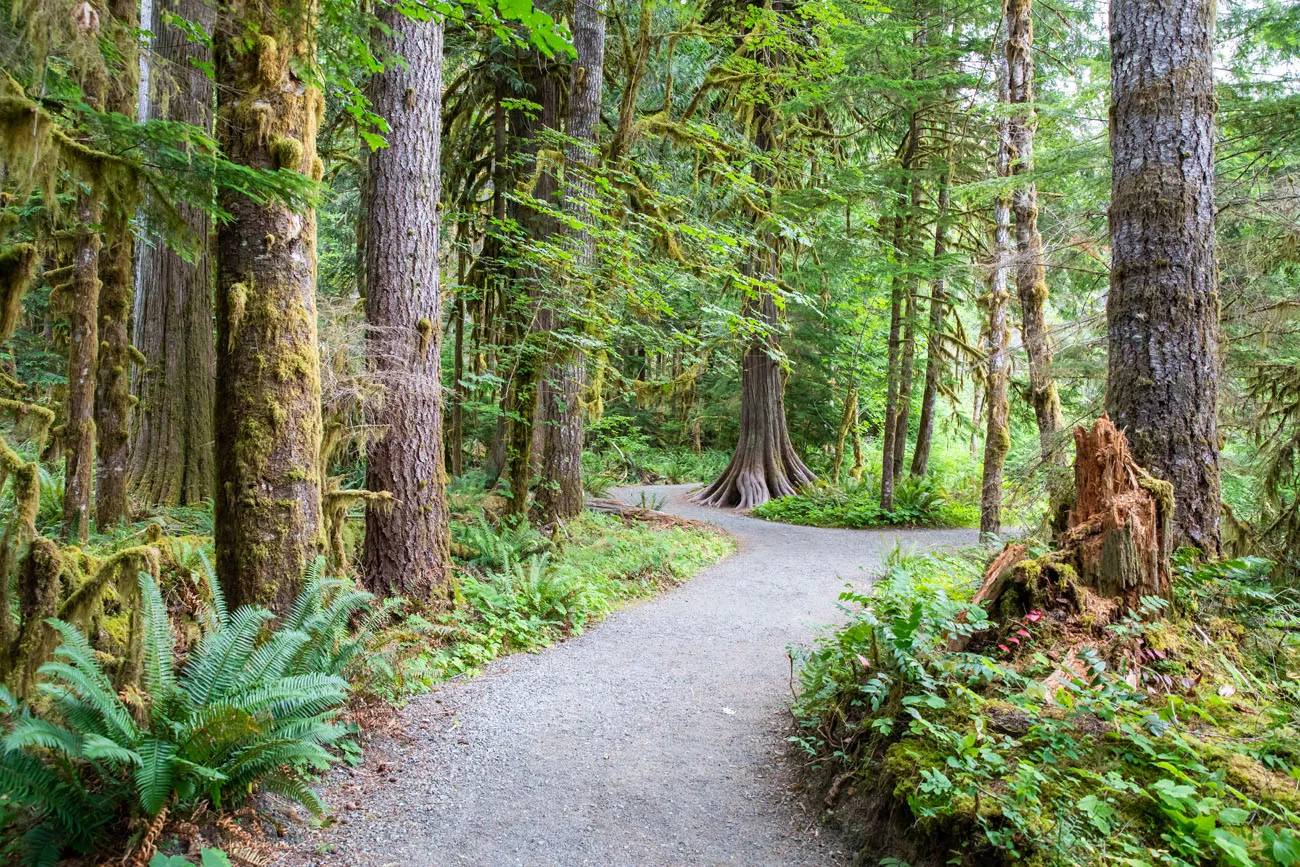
(268, 409)
(170, 450)
(113, 373)
(560, 495)
(934, 364)
(907, 364)
(1031, 273)
(1163, 308)
(997, 439)
(407, 540)
(764, 465)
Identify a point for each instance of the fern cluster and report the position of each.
(252, 708)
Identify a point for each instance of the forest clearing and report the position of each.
(783, 432)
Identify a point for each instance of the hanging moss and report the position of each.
(17, 268)
(287, 153)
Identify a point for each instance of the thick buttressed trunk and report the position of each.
(997, 437)
(764, 465)
(1031, 271)
(170, 451)
(268, 409)
(1162, 313)
(560, 495)
(83, 362)
(934, 362)
(113, 376)
(407, 539)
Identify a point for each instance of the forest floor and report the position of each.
(656, 738)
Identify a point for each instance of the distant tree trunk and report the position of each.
(170, 451)
(934, 364)
(407, 540)
(848, 427)
(496, 452)
(113, 375)
(907, 361)
(765, 464)
(268, 416)
(83, 361)
(997, 439)
(1031, 272)
(560, 495)
(456, 440)
(893, 374)
(1162, 311)
(530, 321)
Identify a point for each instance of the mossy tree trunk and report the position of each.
(997, 438)
(1162, 313)
(268, 416)
(170, 449)
(934, 360)
(407, 540)
(1031, 271)
(560, 494)
(907, 356)
(83, 363)
(116, 271)
(893, 363)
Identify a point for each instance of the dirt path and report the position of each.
(654, 739)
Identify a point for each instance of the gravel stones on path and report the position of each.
(656, 739)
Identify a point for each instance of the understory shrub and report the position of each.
(1168, 738)
(918, 502)
(252, 707)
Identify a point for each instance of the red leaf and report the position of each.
(1013, 640)
(1023, 632)
(1004, 648)
(1034, 616)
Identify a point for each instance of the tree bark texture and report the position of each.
(1162, 314)
(1031, 271)
(116, 272)
(765, 464)
(268, 409)
(893, 374)
(407, 539)
(997, 438)
(560, 496)
(934, 362)
(83, 362)
(170, 451)
(907, 360)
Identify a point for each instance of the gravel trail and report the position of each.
(656, 739)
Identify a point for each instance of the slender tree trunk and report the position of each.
(847, 428)
(560, 495)
(934, 363)
(907, 362)
(893, 374)
(1162, 313)
(268, 416)
(456, 443)
(997, 439)
(1031, 273)
(170, 450)
(494, 289)
(407, 539)
(113, 374)
(83, 361)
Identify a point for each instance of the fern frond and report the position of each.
(294, 789)
(159, 677)
(297, 696)
(220, 615)
(101, 749)
(214, 668)
(153, 778)
(31, 732)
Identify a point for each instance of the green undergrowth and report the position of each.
(918, 502)
(1167, 738)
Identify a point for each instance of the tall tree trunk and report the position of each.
(1031, 272)
(847, 428)
(83, 361)
(268, 415)
(170, 450)
(907, 361)
(1163, 308)
(997, 439)
(560, 495)
(494, 289)
(893, 374)
(407, 539)
(934, 363)
(765, 464)
(456, 439)
(113, 374)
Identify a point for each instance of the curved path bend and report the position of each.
(656, 739)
